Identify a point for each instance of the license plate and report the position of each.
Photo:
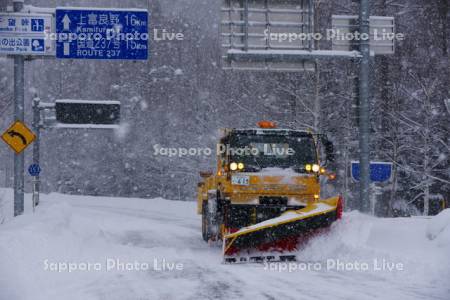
(240, 180)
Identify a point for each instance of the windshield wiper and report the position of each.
(250, 168)
(299, 169)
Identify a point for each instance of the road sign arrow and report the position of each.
(66, 49)
(18, 136)
(66, 22)
(13, 133)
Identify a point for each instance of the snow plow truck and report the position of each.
(263, 200)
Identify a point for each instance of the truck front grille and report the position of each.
(241, 215)
(271, 200)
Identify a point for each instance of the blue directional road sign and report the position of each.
(34, 170)
(379, 171)
(101, 34)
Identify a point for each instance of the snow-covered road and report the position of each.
(163, 237)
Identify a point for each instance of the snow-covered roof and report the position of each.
(88, 101)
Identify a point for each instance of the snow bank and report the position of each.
(385, 243)
(37, 250)
(6, 205)
(28, 242)
(439, 229)
(83, 230)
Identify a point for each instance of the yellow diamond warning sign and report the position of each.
(18, 136)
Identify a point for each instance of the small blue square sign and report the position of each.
(37, 45)
(37, 25)
(34, 170)
(379, 171)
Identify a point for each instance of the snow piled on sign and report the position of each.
(83, 229)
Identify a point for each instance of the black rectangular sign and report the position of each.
(88, 112)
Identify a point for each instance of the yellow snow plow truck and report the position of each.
(263, 201)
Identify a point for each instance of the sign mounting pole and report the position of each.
(36, 148)
(364, 109)
(19, 103)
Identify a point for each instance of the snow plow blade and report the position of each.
(276, 239)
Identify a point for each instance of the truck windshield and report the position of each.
(257, 152)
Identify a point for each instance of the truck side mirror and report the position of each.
(329, 149)
(205, 174)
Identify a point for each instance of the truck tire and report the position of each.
(212, 217)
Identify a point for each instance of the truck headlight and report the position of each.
(233, 166)
(240, 166)
(308, 167)
(315, 168)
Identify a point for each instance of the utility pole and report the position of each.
(317, 100)
(36, 147)
(364, 109)
(19, 104)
